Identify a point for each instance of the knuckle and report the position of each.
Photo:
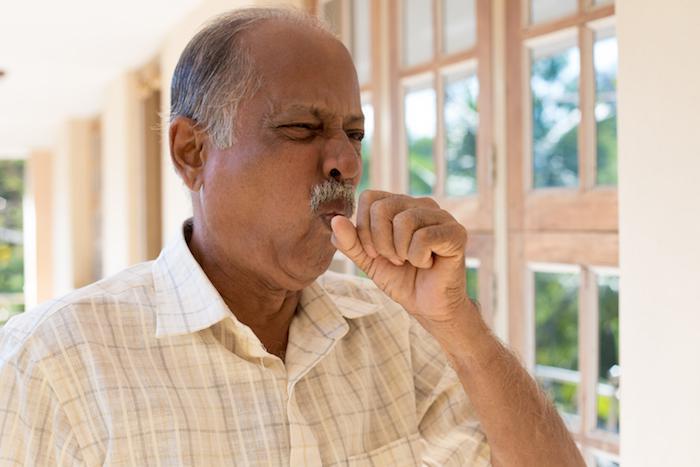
(404, 219)
(429, 202)
(424, 236)
(379, 208)
(365, 196)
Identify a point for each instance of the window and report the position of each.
(556, 336)
(420, 123)
(461, 117)
(554, 85)
(11, 239)
(605, 63)
(433, 74)
(562, 211)
(441, 87)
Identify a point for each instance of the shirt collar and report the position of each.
(187, 302)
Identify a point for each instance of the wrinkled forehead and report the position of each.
(303, 66)
(291, 110)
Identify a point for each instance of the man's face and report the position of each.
(302, 128)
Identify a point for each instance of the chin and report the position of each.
(307, 269)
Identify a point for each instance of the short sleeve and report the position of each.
(33, 427)
(448, 426)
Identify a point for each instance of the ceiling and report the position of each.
(58, 57)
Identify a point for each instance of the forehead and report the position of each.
(300, 66)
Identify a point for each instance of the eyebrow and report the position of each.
(316, 112)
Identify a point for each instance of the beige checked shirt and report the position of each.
(150, 367)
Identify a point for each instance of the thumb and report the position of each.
(345, 239)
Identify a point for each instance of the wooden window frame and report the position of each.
(473, 211)
(574, 226)
(389, 166)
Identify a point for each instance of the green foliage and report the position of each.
(472, 275)
(564, 395)
(555, 165)
(607, 151)
(604, 408)
(364, 181)
(556, 319)
(461, 127)
(609, 325)
(11, 255)
(11, 189)
(461, 168)
(421, 166)
(11, 268)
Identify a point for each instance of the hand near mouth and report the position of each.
(412, 250)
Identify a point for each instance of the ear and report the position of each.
(187, 151)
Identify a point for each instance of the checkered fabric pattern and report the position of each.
(150, 367)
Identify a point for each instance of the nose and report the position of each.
(342, 159)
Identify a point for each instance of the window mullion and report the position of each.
(439, 145)
(588, 350)
(587, 127)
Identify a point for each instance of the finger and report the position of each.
(345, 239)
(407, 222)
(444, 240)
(382, 214)
(364, 222)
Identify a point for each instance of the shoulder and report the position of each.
(48, 327)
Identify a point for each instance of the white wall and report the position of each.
(122, 175)
(659, 122)
(73, 232)
(38, 260)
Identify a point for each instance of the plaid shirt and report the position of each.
(150, 367)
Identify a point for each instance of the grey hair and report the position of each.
(215, 71)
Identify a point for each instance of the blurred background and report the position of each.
(505, 111)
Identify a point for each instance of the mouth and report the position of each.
(332, 209)
(326, 219)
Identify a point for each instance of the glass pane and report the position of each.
(417, 31)
(461, 125)
(419, 114)
(459, 25)
(11, 238)
(609, 353)
(605, 62)
(361, 37)
(546, 10)
(333, 15)
(603, 461)
(556, 337)
(602, 2)
(555, 117)
(368, 110)
(472, 282)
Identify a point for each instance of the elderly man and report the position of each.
(235, 346)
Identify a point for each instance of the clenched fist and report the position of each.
(410, 248)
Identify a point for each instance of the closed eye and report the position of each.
(300, 131)
(356, 135)
(304, 126)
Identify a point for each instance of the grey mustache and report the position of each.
(330, 191)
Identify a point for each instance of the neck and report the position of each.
(266, 309)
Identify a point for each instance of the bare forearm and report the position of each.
(522, 426)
